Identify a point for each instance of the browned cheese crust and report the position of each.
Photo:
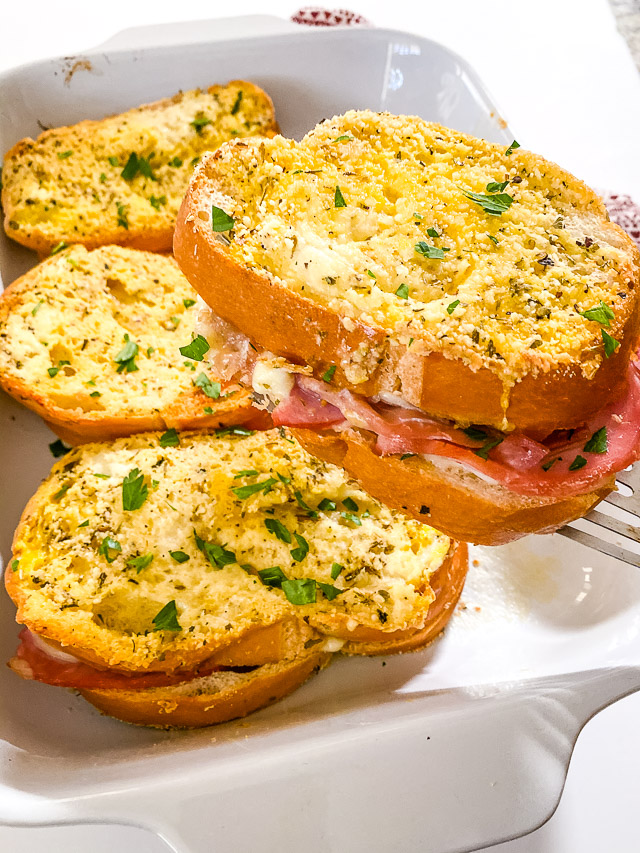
(279, 318)
(460, 507)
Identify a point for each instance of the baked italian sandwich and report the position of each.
(187, 579)
(90, 341)
(452, 321)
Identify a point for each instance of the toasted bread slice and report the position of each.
(64, 326)
(148, 558)
(121, 179)
(419, 261)
(215, 698)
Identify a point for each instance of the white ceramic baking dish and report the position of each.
(459, 746)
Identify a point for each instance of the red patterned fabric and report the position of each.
(623, 210)
(317, 16)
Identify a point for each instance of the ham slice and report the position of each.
(556, 467)
(34, 662)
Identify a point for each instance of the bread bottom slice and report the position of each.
(461, 504)
(215, 698)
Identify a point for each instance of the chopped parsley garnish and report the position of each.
(512, 148)
(115, 161)
(221, 221)
(14, 565)
(546, 465)
(344, 138)
(134, 490)
(196, 349)
(123, 220)
(299, 590)
(35, 310)
(109, 549)
(303, 505)
(493, 239)
(350, 504)
(418, 216)
(598, 442)
(95, 394)
(432, 232)
(329, 590)
(349, 516)
(125, 359)
(403, 291)
(234, 431)
(156, 202)
(85, 523)
(265, 486)
(176, 162)
(167, 618)
(62, 155)
(338, 199)
(326, 505)
(432, 253)
(131, 168)
(236, 103)
(139, 563)
(490, 443)
(610, 343)
(578, 462)
(494, 205)
(53, 371)
(62, 491)
(217, 555)
(278, 529)
(302, 550)
(249, 472)
(371, 275)
(58, 448)
(328, 374)
(284, 435)
(179, 556)
(170, 438)
(493, 187)
(58, 247)
(451, 307)
(272, 577)
(407, 456)
(336, 569)
(199, 122)
(600, 314)
(188, 302)
(210, 388)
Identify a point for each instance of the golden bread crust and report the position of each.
(461, 509)
(224, 696)
(75, 309)
(545, 391)
(43, 207)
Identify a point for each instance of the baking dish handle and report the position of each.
(516, 748)
(185, 32)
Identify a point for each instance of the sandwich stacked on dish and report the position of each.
(452, 321)
(188, 565)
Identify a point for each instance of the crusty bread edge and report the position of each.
(165, 708)
(483, 517)
(303, 331)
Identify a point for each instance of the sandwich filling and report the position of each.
(560, 464)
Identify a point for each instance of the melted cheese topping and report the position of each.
(338, 216)
(93, 596)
